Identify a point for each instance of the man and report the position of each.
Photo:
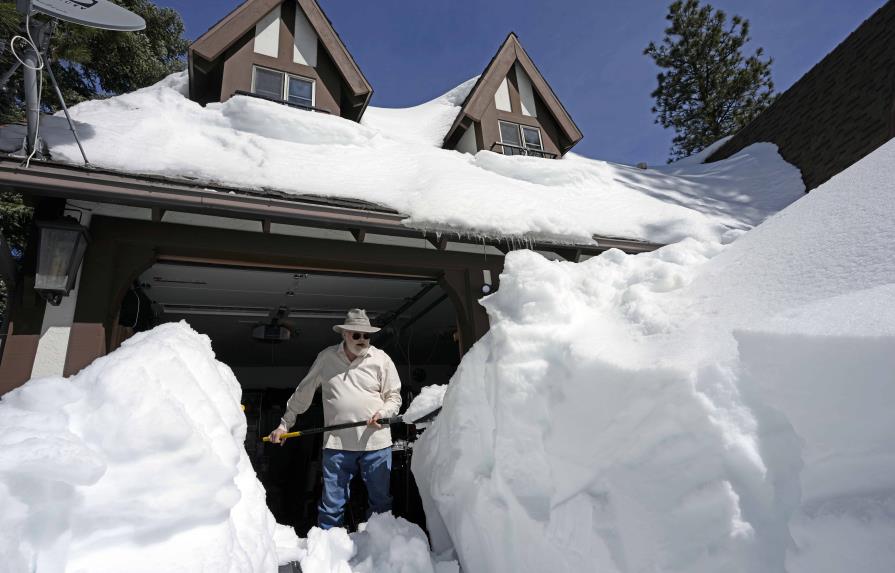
(359, 382)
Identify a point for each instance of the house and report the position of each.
(264, 273)
(140, 225)
(285, 51)
(513, 110)
(261, 236)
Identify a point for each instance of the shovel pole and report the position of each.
(382, 422)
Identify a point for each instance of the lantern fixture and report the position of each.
(61, 248)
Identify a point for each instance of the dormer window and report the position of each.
(518, 139)
(281, 86)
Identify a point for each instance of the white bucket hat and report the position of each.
(356, 321)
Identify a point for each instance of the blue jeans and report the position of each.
(339, 467)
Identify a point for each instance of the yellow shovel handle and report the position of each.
(283, 437)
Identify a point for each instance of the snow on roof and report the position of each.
(394, 159)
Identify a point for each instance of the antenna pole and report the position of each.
(33, 64)
(71, 124)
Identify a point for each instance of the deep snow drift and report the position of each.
(137, 464)
(394, 159)
(701, 408)
(136, 460)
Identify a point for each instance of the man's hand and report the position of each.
(276, 437)
(374, 421)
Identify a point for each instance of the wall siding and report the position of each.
(240, 59)
(502, 97)
(526, 94)
(304, 40)
(267, 34)
(490, 132)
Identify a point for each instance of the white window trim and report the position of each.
(313, 88)
(519, 127)
(540, 138)
(286, 75)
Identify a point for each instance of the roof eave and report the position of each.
(70, 182)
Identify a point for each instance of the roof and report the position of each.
(52, 179)
(247, 151)
(478, 100)
(213, 43)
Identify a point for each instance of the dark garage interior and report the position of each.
(269, 324)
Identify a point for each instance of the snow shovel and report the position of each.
(382, 422)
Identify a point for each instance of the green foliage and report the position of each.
(707, 89)
(15, 223)
(89, 63)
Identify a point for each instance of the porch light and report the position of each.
(62, 244)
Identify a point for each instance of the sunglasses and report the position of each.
(359, 335)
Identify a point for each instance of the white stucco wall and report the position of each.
(502, 97)
(56, 328)
(305, 48)
(267, 34)
(526, 95)
(467, 143)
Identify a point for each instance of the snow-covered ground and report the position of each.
(394, 159)
(701, 408)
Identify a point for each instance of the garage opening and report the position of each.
(268, 325)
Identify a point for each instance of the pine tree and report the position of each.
(707, 89)
(89, 63)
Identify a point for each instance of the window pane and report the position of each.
(301, 91)
(532, 138)
(509, 133)
(268, 83)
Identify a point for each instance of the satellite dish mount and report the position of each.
(36, 56)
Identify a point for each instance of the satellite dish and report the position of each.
(94, 13)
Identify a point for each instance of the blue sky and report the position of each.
(589, 50)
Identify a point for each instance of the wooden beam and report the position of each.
(157, 214)
(265, 226)
(359, 235)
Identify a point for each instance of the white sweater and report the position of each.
(352, 391)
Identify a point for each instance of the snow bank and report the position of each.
(137, 460)
(385, 544)
(137, 463)
(394, 159)
(822, 381)
(700, 408)
(428, 400)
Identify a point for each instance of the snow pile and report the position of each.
(700, 408)
(385, 544)
(394, 159)
(137, 460)
(822, 380)
(137, 463)
(428, 400)
(424, 124)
